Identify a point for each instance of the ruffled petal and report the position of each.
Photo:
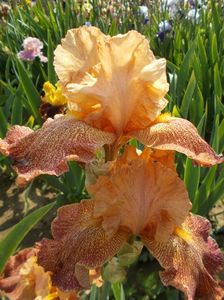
(47, 150)
(140, 192)
(191, 259)
(179, 135)
(79, 244)
(112, 83)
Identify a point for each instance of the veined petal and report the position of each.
(113, 83)
(191, 259)
(47, 150)
(80, 243)
(179, 135)
(140, 192)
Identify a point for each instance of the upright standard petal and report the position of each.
(177, 134)
(47, 150)
(140, 192)
(80, 243)
(191, 259)
(113, 83)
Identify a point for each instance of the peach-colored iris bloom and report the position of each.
(112, 83)
(24, 279)
(139, 196)
(115, 90)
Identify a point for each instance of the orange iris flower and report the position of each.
(139, 196)
(24, 279)
(115, 90)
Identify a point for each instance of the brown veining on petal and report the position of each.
(191, 259)
(47, 150)
(179, 135)
(80, 243)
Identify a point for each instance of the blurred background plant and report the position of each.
(189, 34)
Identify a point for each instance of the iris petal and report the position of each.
(190, 258)
(141, 191)
(179, 135)
(47, 150)
(112, 83)
(79, 244)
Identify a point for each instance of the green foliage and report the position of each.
(10, 243)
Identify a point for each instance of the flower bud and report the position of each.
(113, 272)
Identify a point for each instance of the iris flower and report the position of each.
(115, 88)
(23, 279)
(53, 94)
(32, 49)
(139, 196)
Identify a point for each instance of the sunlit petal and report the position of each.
(113, 83)
(47, 150)
(79, 244)
(179, 135)
(190, 258)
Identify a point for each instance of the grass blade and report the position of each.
(10, 243)
(30, 91)
(188, 96)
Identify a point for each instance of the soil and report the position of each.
(16, 203)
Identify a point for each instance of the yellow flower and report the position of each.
(53, 95)
(87, 7)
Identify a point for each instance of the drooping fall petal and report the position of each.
(179, 135)
(112, 83)
(191, 259)
(47, 150)
(140, 192)
(80, 243)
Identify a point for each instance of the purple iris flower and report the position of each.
(32, 49)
